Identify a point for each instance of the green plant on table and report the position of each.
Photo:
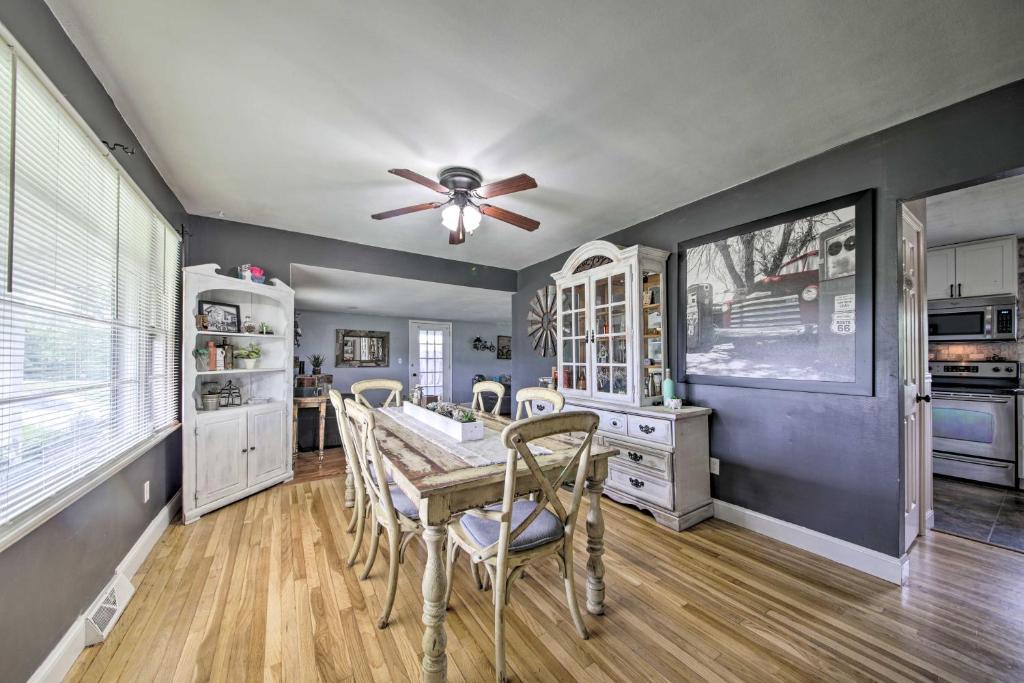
(316, 360)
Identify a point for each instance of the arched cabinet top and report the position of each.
(207, 276)
(598, 253)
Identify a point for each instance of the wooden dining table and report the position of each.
(445, 479)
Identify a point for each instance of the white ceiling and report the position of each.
(987, 210)
(329, 289)
(289, 114)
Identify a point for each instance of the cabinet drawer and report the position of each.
(639, 485)
(612, 422)
(657, 463)
(649, 428)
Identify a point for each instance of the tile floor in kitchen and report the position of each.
(983, 513)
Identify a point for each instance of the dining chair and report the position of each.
(527, 395)
(496, 388)
(391, 510)
(391, 385)
(361, 507)
(507, 537)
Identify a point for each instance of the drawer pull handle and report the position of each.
(635, 457)
(647, 429)
(636, 483)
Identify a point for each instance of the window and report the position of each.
(89, 295)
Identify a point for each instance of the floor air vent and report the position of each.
(104, 613)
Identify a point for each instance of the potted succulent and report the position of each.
(202, 356)
(247, 356)
(317, 361)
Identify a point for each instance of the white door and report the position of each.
(942, 273)
(430, 358)
(610, 345)
(913, 376)
(986, 268)
(221, 455)
(268, 450)
(575, 329)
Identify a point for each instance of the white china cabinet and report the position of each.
(611, 323)
(234, 450)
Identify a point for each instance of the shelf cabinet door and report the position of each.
(221, 456)
(268, 452)
(613, 336)
(941, 273)
(574, 327)
(986, 268)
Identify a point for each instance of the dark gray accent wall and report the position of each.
(49, 577)
(229, 244)
(823, 461)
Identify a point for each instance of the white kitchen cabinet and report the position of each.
(941, 273)
(222, 438)
(268, 451)
(611, 331)
(980, 268)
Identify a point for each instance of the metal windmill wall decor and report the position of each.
(541, 319)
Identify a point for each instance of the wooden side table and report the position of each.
(318, 402)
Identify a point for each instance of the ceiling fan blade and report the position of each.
(405, 210)
(417, 178)
(509, 217)
(457, 236)
(516, 183)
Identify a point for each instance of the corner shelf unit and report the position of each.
(233, 452)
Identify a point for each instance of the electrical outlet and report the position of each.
(145, 492)
(714, 465)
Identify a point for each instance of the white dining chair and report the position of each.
(361, 507)
(496, 388)
(394, 398)
(391, 510)
(505, 538)
(527, 395)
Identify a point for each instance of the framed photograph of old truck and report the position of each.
(784, 302)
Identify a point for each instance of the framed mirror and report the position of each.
(361, 348)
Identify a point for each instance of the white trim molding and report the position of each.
(60, 660)
(886, 567)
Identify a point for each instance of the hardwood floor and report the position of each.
(259, 591)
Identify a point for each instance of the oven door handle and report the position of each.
(1005, 464)
(977, 398)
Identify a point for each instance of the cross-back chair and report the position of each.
(393, 386)
(352, 457)
(507, 537)
(496, 388)
(391, 510)
(527, 395)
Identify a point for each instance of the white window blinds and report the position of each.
(88, 304)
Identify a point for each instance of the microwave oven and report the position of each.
(980, 318)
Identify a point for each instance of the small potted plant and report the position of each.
(247, 356)
(317, 361)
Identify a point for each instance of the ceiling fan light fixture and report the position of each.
(470, 218)
(450, 217)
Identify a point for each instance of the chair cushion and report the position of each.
(544, 529)
(372, 471)
(403, 505)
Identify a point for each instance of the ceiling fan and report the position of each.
(463, 187)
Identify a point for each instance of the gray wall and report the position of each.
(828, 462)
(228, 244)
(49, 577)
(318, 337)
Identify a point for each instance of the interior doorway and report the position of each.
(430, 358)
(962, 402)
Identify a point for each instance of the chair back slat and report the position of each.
(393, 386)
(496, 388)
(376, 485)
(527, 395)
(345, 429)
(517, 437)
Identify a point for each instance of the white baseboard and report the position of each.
(60, 660)
(892, 569)
(929, 520)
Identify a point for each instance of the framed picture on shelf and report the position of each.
(220, 317)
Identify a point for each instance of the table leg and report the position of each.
(594, 485)
(295, 431)
(435, 640)
(323, 420)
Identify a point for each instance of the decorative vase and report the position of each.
(247, 363)
(316, 370)
(668, 387)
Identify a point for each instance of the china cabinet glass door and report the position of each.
(574, 330)
(611, 373)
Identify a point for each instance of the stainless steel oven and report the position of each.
(973, 318)
(974, 420)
